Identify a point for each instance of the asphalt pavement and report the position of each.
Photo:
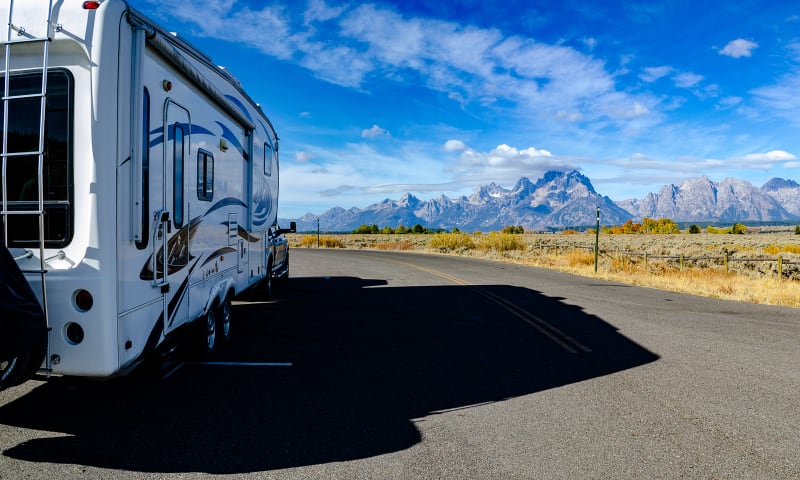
(373, 365)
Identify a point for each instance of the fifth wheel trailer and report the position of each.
(139, 185)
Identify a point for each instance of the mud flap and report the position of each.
(23, 330)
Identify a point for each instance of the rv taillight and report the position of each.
(83, 300)
(91, 5)
(75, 333)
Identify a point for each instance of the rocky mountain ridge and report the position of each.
(567, 199)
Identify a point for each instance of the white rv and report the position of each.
(144, 198)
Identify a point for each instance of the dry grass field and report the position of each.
(759, 267)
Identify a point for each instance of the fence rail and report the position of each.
(687, 261)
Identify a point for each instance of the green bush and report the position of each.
(513, 229)
(366, 229)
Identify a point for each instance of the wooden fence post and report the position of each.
(726, 262)
(780, 267)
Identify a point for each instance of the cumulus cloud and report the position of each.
(374, 132)
(454, 146)
(504, 163)
(739, 48)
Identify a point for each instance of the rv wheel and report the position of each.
(207, 338)
(9, 372)
(18, 367)
(267, 282)
(224, 322)
(281, 281)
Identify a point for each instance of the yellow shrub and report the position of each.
(405, 245)
(580, 258)
(501, 242)
(310, 241)
(451, 241)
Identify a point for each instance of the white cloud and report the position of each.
(730, 102)
(687, 80)
(374, 132)
(505, 164)
(739, 48)
(782, 98)
(771, 156)
(651, 74)
(318, 10)
(352, 45)
(303, 157)
(454, 146)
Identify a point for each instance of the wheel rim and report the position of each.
(6, 367)
(268, 281)
(225, 320)
(211, 331)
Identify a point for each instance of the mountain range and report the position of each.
(568, 199)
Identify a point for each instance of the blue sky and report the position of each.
(373, 100)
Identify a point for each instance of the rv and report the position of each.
(139, 185)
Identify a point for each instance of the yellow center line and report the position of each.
(548, 330)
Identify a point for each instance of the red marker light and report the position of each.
(83, 300)
(91, 5)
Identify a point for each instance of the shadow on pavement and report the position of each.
(366, 360)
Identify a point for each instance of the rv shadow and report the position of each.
(366, 360)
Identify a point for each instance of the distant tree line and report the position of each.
(419, 229)
(667, 226)
(399, 230)
(648, 225)
(735, 229)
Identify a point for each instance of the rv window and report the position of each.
(142, 244)
(22, 178)
(268, 159)
(177, 164)
(205, 175)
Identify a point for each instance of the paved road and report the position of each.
(416, 366)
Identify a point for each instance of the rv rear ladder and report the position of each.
(7, 156)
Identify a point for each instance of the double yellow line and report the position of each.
(548, 330)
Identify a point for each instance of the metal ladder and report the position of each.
(17, 36)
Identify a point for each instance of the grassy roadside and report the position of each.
(753, 281)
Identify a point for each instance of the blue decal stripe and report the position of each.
(194, 129)
(225, 202)
(240, 105)
(228, 135)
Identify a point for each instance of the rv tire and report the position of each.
(17, 367)
(207, 338)
(266, 287)
(223, 328)
(280, 281)
(10, 369)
